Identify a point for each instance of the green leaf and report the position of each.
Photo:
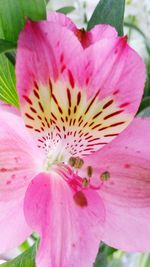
(12, 57)
(145, 113)
(109, 250)
(26, 259)
(7, 82)
(66, 10)
(6, 46)
(101, 259)
(116, 263)
(145, 103)
(147, 85)
(143, 260)
(109, 12)
(24, 246)
(13, 14)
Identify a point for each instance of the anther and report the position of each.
(77, 162)
(72, 161)
(89, 171)
(80, 199)
(105, 176)
(85, 182)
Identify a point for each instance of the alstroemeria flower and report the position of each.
(60, 177)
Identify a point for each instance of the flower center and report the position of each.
(66, 122)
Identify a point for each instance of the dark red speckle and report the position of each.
(71, 79)
(127, 166)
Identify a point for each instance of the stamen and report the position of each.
(76, 162)
(105, 176)
(85, 182)
(80, 199)
(72, 161)
(89, 171)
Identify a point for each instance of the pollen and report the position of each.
(105, 176)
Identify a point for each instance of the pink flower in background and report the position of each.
(60, 177)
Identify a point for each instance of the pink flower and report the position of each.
(60, 177)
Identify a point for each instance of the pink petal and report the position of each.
(61, 20)
(115, 69)
(79, 99)
(114, 74)
(17, 167)
(42, 53)
(126, 190)
(8, 107)
(86, 38)
(43, 57)
(98, 33)
(70, 232)
(13, 227)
